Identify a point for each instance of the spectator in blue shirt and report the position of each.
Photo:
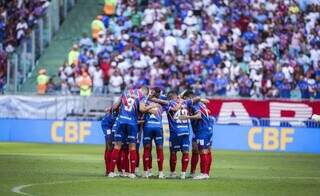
(245, 85)
(2, 31)
(220, 84)
(317, 88)
(304, 88)
(285, 89)
(249, 36)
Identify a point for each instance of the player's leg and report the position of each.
(132, 139)
(118, 137)
(184, 145)
(146, 150)
(194, 157)
(107, 136)
(204, 145)
(210, 155)
(159, 148)
(107, 155)
(123, 167)
(153, 137)
(150, 161)
(137, 149)
(204, 161)
(120, 160)
(114, 157)
(173, 156)
(106, 164)
(210, 159)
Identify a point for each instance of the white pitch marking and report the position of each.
(18, 189)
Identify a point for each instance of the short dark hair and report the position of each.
(188, 94)
(171, 94)
(157, 91)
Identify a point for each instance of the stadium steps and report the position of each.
(78, 21)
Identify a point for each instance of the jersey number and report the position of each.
(130, 104)
(181, 112)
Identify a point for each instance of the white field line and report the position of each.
(18, 189)
(40, 154)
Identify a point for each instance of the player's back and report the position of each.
(206, 121)
(176, 125)
(153, 120)
(129, 109)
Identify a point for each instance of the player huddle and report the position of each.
(138, 113)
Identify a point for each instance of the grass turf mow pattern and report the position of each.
(52, 169)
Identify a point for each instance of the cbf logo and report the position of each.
(270, 138)
(70, 132)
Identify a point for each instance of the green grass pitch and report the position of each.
(50, 169)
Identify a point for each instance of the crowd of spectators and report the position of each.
(17, 18)
(247, 48)
(3, 63)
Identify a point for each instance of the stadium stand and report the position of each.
(17, 18)
(225, 48)
(69, 32)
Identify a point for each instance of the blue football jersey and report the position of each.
(177, 126)
(153, 120)
(129, 109)
(205, 124)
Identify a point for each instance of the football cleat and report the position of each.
(123, 174)
(201, 177)
(112, 175)
(172, 175)
(132, 176)
(150, 173)
(145, 174)
(136, 172)
(183, 175)
(161, 175)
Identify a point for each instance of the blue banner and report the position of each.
(227, 137)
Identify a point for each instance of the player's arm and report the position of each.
(176, 107)
(116, 105)
(315, 117)
(144, 108)
(192, 117)
(199, 99)
(159, 101)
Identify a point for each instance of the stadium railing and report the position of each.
(24, 59)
